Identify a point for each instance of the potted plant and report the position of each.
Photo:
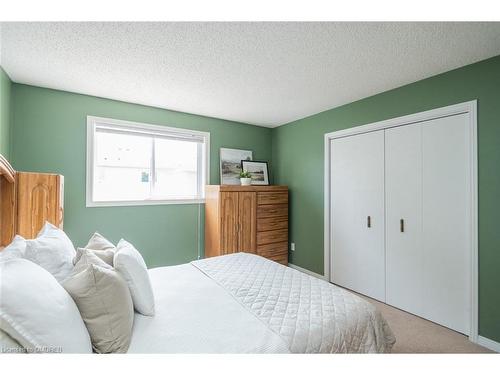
(245, 178)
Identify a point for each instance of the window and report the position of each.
(134, 164)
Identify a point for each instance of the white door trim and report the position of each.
(466, 107)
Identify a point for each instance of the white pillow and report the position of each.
(16, 249)
(52, 250)
(36, 311)
(131, 266)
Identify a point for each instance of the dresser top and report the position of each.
(246, 188)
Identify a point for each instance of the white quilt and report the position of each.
(309, 314)
(195, 315)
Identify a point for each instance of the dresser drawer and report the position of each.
(272, 236)
(272, 198)
(272, 223)
(273, 249)
(272, 210)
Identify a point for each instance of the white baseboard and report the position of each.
(291, 265)
(488, 343)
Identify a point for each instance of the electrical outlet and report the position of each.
(292, 246)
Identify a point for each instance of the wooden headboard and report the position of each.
(27, 201)
(8, 202)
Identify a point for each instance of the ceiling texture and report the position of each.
(261, 73)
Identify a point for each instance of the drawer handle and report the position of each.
(402, 225)
(369, 222)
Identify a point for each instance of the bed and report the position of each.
(242, 303)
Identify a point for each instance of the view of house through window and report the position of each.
(146, 163)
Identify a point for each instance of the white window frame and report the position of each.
(92, 122)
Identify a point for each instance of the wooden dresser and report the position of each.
(253, 219)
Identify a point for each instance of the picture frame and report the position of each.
(230, 164)
(258, 170)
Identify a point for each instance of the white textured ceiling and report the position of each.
(260, 73)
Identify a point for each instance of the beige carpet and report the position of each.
(417, 335)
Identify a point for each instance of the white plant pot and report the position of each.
(246, 181)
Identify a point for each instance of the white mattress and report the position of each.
(243, 303)
(195, 315)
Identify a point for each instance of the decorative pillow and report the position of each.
(99, 242)
(16, 249)
(52, 250)
(36, 311)
(105, 255)
(130, 264)
(104, 301)
(100, 246)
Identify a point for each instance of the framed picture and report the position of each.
(230, 165)
(258, 171)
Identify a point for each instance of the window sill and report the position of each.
(145, 203)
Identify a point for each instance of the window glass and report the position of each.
(132, 164)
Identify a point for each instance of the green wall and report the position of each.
(49, 135)
(298, 162)
(5, 90)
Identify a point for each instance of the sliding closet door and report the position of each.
(357, 181)
(403, 197)
(447, 221)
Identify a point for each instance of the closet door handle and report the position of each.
(369, 221)
(402, 225)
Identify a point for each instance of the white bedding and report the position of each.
(243, 303)
(309, 314)
(195, 315)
